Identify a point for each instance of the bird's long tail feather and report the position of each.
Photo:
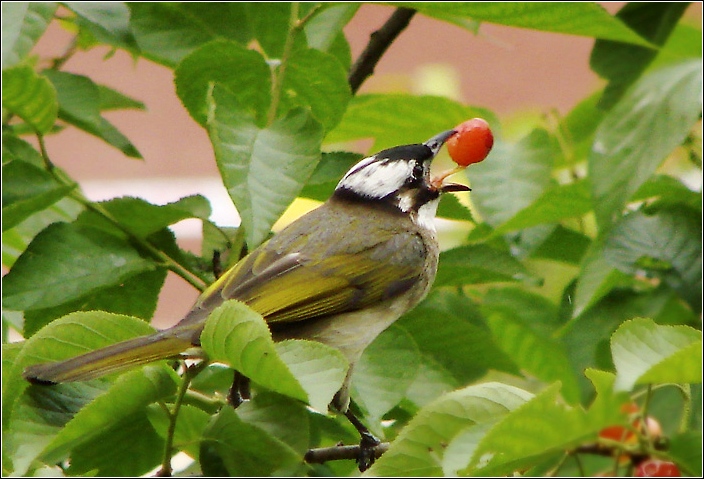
(114, 358)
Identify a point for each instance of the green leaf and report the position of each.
(684, 42)
(190, 426)
(240, 338)
(584, 19)
(105, 130)
(135, 296)
(669, 191)
(686, 369)
(540, 356)
(167, 32)
(270, 24)
(327, 174)
(30, 96)
(108, 22)
(555, 204)
(563, 244)
(127, 448)
(522, 324)
(418, 449)
(79, 105)
(477, 264)
(621, 63)
(143, 218)
(607, 405)
(651, 119)
(251, 159)
(243, 73)
(23, 23)
(325, 28)
(431, 382)
(577, 131)
(341, 50)
(461, 21)
(316, 79)
(513, 176)
(10, 351)
(646, 353)
(129, 395)
(587, 336)
(463, 446)
(65, 262)
(399, 119)
(114, 100)
(686, 450)
(16, 240)
(451, 335)
(452, 209)
(39, 415)
(15, 148)
(596, 278)
(385, 371)
(232, 447)
(512, 443)
(217, 240)
(303, 370)
(666, 244)
(26, 190)
(70, 336)
(79, 98)
(281, 417)
(319, 369)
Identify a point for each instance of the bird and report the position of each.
(339, 275)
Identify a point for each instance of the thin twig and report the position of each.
(337, 453)
(191, 372)
(379, 42)
(71, 49)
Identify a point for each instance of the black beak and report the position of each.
(436, 142)
(448, 187)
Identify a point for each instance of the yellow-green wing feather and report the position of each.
(298, 286)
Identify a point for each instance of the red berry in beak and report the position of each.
(471, 143)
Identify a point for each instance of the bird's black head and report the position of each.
(398, 178)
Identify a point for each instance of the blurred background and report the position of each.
(516, 73)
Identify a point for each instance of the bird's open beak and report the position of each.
(438, 182)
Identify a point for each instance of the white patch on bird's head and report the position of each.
(375, 177)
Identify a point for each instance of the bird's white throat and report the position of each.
(425, 218)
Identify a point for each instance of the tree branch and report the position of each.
(337, 453)
(379, 42)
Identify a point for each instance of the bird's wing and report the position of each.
(295, 287)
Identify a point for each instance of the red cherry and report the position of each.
(657, 468)
(622, 434)
(471, 143)
(616, 433)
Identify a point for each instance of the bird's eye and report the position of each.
(418, 170)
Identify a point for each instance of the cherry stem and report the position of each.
(437, 181)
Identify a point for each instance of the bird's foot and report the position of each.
(367, 451)
(239, 391)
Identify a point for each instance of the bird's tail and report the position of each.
(113, 358)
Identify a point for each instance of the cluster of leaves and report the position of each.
(491, 374)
